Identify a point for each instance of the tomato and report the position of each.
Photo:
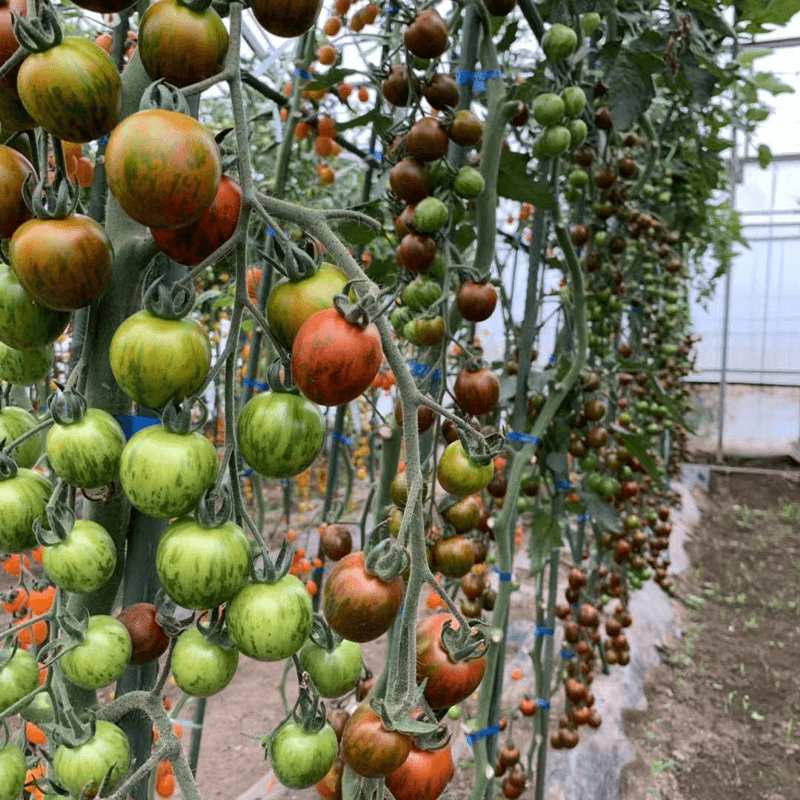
(24, 367)
(14, 170)
(463, 515)
(19, 676)
(89, 762)
(442, 92)
(195, 242)
(577, 133)
(163, 168)
(291, 303)
(87, 452)
(102, 655)
(421, 293)
(548, 109)
(423, 775)
(449, 682)
(477, 390)
(330, 787)
(574, 101)
(559, 42)
(369, 749)
(148, 640)
(336, 542)
(270, 621)
(13, 115)
(13, 423)
(476, 301)
(286, 18)
(12, 771)
(430, 215)
(359, 606)
(202, 567)
(336, 672)
(469, 183)
(39, 710)
(458, 474)
(410, 180)
(333, 360)
(23, 498)
(156, 360)
(23, 324)
(427, 35)
(466, 129)
(299, 757)
(200, 667)
(63, 264)
(417, 252)
(181, 45)
(454, 557)
(72, 90)
(427, 140)
(396, 88)
(164, 474)
(280, 434)
(552, 142)
(84, 560)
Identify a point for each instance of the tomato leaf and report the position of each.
(636, 445)
(630, 91)
(545, 535)
(465, 236)
(356, 234)
(760, 13)
(602, 514)
(764, 156)
(509, 37)
(383, 271)
(514, 182)
(332, 77)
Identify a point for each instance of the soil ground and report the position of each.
(723, 712)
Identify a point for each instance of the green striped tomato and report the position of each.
(14, 170)
(157, 360)
(102, 655)
(25, 367)
(202, 567)
(12, 771)
(19, 676)
(23, 498)
(84, 560)
(13, 423)
(86, 453)
(72, 90)
(299, 757)
(164, 474)
(23, 324)
(202, 668)
(280, 434)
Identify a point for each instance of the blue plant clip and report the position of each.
(525, 438)
(255, 384)
(542, 630)
(505, 577)
(492, 730)
(305, 74)
(342, 438)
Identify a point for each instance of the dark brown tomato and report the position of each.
(463, 515)
(449, 682)
(605, 178)
(627, 167)
(417, 251)
(602, 118)
(480, 545)
(193, 243)
(359, 606)
(498, 485)
(442, 92)
(63, 264)
(336, 541)
(466, 129)
(369, 749)
(423, 775)
(425, 416)
(476, 301)
(477, 391)
(584, 157)
(14, 171)
(404, 222)
(13, 115)
(473, 583)
(409, 180)
(104, 6)
(471, 609)
(286, 18)
(427, 140)
(396, 87)
(501, 8)
(427, 35)
(148, 639)
(522, 114)
(181, 45)
(454, 557)
(337, 718)
(579, 235)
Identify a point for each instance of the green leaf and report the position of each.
(602, 514)
(557, 462)
(383, 271)
(514, 182)
(332, 77)
(771, 83)
(764, 156)
(380, 122)
(545, 535)
(630, 92)
(465, 236)
(760, 13)
(636, 445)
(209, 294)
(700, 80)
(747, 57)
(356, 234)
(509, 37)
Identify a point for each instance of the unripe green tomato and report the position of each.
(559, 42)
(399, 317)
(590, 22)
(648, 190)
(601, 239)
(454, 712)
(548, 109)
(572, 194)
(578, 177)
(574, 101)
(665, 197)
(578, 133)
(522, 505)
(552, 142)
(438, 269)
(410, 331)
(430, 215)
(439, 174)
(469, 183)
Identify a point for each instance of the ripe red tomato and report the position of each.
(333, 360)
(477, 391)
(163, 168)
(476, 301)
(359, 606)
(369, 749)
(63, 264)
(423, 775)
(449, 682)
(195, 242)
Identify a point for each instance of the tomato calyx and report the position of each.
(403, 716)
(281, 384)
(480, 449)
(215, 507)
(40, 34)
(177, 418)
(165, 302)
(323, 635)
(384, 558)
(215, 631)
(163, 96)
(355, 313)
(60, 520)
(465, 643)
(8, 467)
(67, 406)
(174, 619)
